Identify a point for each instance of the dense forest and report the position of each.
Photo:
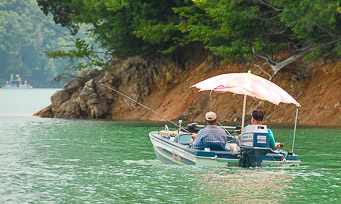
(275, 31)
(157, 49)
(25, 34)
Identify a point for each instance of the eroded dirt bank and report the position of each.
(163, 84)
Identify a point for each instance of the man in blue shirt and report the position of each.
(257, 119)
(211, 133)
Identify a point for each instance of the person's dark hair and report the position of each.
(258, 115)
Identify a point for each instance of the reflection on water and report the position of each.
(245, 185)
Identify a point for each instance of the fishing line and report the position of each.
(225, 129)
(138, 103)
(285, 139)
(313, 149)
(281, 105)
(300, 147)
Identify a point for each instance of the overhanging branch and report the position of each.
(277, 66)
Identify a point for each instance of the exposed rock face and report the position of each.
(86, 97)
(163, 84)
(79, 99)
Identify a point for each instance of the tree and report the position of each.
(276, 31)
(124, 28)
(24, 34)
(266, 29)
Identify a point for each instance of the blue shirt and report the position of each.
(210, 134)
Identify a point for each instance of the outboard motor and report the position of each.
(254, 142)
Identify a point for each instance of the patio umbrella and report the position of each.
(247, 84)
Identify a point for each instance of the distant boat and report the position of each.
(16, 83)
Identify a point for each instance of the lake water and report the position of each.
(91, 161)
(24, 101)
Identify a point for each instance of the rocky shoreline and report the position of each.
(85, 97)
(163, 85)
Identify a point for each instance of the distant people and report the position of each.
(211, 133)
(18, 79)
(257, 119)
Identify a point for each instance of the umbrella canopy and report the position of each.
(247, 84)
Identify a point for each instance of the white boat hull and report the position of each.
(171, 152)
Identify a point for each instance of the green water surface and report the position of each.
(85, 161)
(91, 161)
(24, 101)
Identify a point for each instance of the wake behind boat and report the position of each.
(174, 147)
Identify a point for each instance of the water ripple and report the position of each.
(85, 161)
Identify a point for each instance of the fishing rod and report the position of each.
(138, 103)
(298, 147)
(315, 149)
(225, 129)
(153, 110)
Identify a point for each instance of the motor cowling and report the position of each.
(254, 143)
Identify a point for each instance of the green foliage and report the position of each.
(124, 28)
(228, 28)
(84, 54)
(24, 34)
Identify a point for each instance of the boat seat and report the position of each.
(276, 155)
(213, 147)
(184, 139)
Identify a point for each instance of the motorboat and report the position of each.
(175, 147)
(16, 83)
(253, 140)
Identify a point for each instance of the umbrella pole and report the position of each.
(243, 117)
(293, 140)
